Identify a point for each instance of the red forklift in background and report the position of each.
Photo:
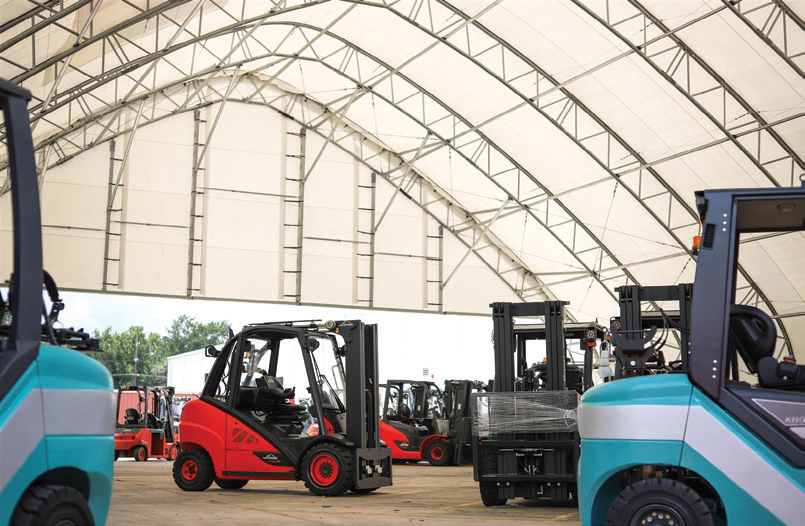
(145, 423)
(422, 422)
(413, 420)
(245, 425)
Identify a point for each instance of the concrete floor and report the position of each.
(145, 491)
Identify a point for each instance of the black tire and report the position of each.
(658, 499)
(328, 469)
(173, 453)
(193, 470)
(230, 484)
(117, 455)
(140, 454)
(439, 453)
(50, 505)
(489, 494)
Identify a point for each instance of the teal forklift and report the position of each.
(709, 444)
(56, 404)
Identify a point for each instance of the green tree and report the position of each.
(119, 354)
(186, 334)
(152, 350)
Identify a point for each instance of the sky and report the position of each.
(450, 346)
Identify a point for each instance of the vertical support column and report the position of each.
(293, 231)
(108, 246)
(196, 211)
(365, 247)
(434, 261)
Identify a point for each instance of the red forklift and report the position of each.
(413, 420)
(245, 426)
(145, 423)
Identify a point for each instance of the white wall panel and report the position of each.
(244, 244)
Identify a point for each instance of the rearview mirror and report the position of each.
(211, 352)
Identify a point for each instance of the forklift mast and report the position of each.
(362, 386)
(524, 440)
(634, 321)
(505, 343)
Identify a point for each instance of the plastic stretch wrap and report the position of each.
(524, 412)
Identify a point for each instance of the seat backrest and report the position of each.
(132, 416)
(753, 334)
(405, 411)
(246, 399)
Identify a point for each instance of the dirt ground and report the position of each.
(145, 491)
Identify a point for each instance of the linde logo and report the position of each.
(270, 457)
(793, 420)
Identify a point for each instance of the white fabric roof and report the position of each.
(557, 143)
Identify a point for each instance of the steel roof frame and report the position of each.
(570, 105)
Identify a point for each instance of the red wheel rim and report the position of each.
(141, 454)
(437, 452)
(174, 453)
(324, 470)
(189, 470)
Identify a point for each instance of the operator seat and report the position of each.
(272, 398)
(754, 335)
(132, 417)
(151, 421)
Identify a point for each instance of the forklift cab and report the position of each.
(409, 401)
(56, 404)
(413, 411)
(724, 442)
(247, 425)
(258, 393)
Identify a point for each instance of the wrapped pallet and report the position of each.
(524, 412)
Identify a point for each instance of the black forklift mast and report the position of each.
(362, 386)
(634, 321)
(21, 347)
(530, 456)
(505, 343)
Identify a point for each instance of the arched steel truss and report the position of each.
(553, 101)
(670, 57)
(772, 22)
